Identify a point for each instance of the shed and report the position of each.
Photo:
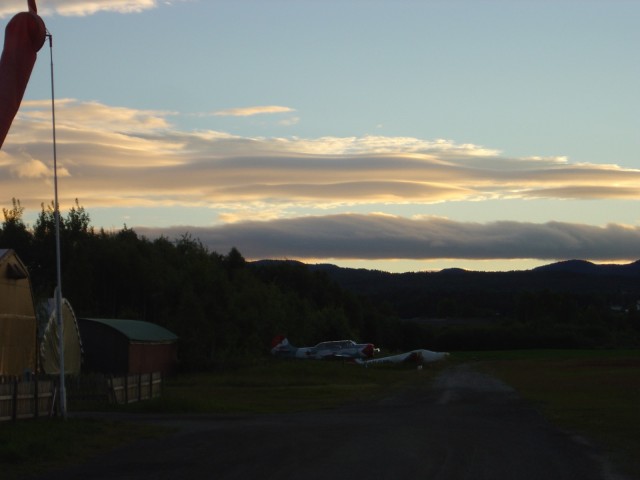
(18, 330)
(127, 346)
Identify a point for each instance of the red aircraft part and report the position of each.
(277, 340)
(369, 350)
(24, 36)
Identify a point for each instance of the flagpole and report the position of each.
(56, 206)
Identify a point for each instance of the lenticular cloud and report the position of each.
(377, 237)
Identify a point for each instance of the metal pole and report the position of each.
(56, 206)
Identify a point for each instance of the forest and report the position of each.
(226, 310)
(221, 308)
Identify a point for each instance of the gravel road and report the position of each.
(465, 425)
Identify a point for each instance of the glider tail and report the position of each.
(280, 344)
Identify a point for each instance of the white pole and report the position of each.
(56, 206)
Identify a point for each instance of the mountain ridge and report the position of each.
(479, 293)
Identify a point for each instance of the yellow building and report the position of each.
(18, 331)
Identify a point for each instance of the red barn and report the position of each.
(127, 346)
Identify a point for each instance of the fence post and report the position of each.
(36, 400)
(113, 396)
(14, 407)
(53, 399)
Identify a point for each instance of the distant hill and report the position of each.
(586, 276)
(588, 268)
(475, 293)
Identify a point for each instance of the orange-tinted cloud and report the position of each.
(120, 156)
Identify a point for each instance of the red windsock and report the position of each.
(24, 36)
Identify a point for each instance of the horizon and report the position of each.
(404, 136)
(346, 265)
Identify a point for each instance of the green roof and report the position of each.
(137, 330)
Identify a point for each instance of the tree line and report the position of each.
(221, 307)
(549, 307)
(224, 308)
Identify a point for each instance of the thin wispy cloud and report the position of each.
(252, 111)
(79, 7)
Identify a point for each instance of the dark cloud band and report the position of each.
(385, 237)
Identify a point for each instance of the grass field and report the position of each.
(32, 447)
(594, 393)
(279, 386)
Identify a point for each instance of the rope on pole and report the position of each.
(58, 292)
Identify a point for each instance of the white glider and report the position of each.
(418, 357)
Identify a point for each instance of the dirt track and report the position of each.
(466, 426)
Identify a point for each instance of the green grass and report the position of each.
(32, 447)
(279, 386)
(593, 393)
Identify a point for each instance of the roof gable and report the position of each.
(15, 270)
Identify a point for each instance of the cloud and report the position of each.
(288, 122)
(78, 7)
(32, 168)
(94, 116)
(122, 156)
(376, 237)
(251, 111)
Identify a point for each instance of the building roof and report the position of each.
(16, 270)
(136, 330)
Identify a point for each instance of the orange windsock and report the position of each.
(24, 36)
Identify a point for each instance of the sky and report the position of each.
(398, 135)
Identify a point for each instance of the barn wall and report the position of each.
(17, 344)
(152, 357)
(105, 349)
(18, 334)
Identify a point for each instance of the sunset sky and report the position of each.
(400, 135)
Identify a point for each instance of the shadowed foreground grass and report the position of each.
(281, 386)
(593, 393)
(32, 447)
